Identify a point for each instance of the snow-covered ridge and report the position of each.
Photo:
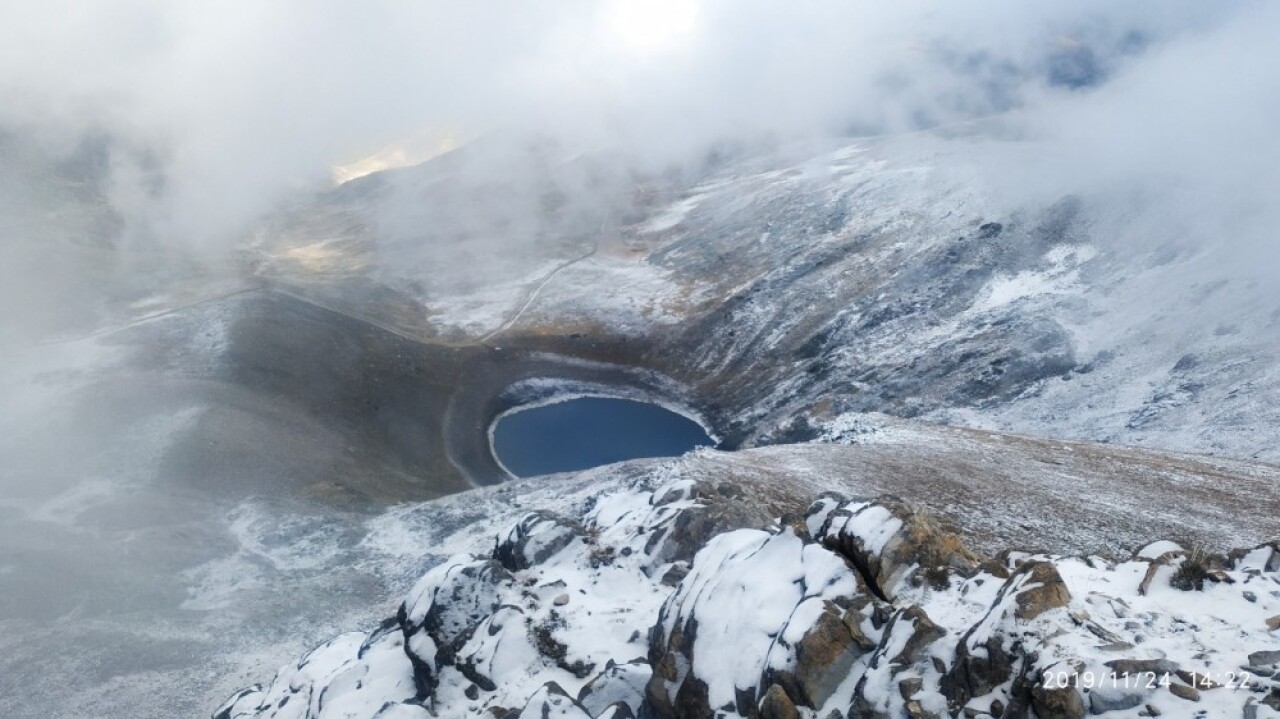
(888, 274)
(681, 598)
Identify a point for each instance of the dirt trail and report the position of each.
(533, 293)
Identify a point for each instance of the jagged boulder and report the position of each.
(1036, 588)
(534, 539)
(352, 675)
(726, 631)
(443, 611)
(899, 669)
(500, 644)
(888, 541)
(777, 705)
(994, 651)
(811, 665)
(694, 513)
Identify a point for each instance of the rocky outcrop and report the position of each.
(888, 541)
(995, 652)
(345, 676)
(537, 537)
(723, 638)
(699, 511)
(648, 601)
(902, 661)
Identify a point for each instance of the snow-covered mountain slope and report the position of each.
(694, 587)
(883, 274)
(181, 449)
(833, 297)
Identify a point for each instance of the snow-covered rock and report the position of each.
(724, 636)
(352, 676)
(887, 540)
(600, 615)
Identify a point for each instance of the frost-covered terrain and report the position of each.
(892, 274)
(212, 468)
(647, 593)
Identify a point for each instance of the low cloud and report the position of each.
(207, 115)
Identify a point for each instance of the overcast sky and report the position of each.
(240, 103)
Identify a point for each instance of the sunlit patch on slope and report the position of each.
(411, 150)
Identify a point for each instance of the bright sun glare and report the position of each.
(646, 26)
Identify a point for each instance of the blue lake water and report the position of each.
(591, 431)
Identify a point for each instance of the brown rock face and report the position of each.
(983, 663)
(920, 542)
(979, 668)
(825, 654)
(923, 633)
(690, 699)
(1057, 703)
(777, 705)
(902, 650)
(1042, 590)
